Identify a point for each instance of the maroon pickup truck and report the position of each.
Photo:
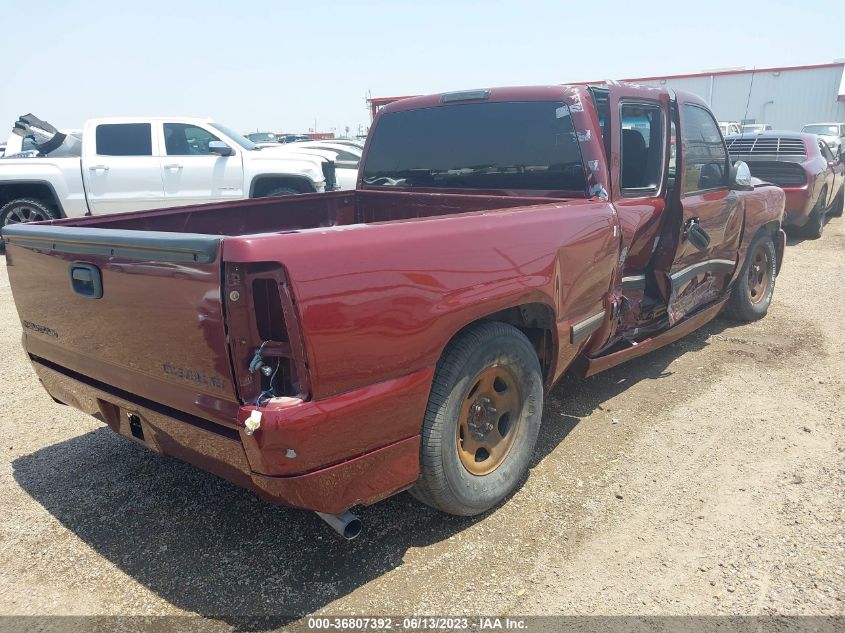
(328, 350)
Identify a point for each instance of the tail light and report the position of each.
(264, 338)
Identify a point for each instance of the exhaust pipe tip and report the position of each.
(347, 524)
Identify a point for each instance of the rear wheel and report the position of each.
(815, 223)
(280, 191)
(838, 204)
(755, 285)
(481, 422)
(24, 210)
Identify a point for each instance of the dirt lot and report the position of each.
(705, 478)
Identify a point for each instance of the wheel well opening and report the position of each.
(537, 322)
(264, 185)
(38, 191)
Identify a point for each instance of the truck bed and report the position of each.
(161, 327)
(309, 211)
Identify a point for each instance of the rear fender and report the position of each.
(300, 183)
(40, 189)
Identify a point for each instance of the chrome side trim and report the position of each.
(585, 327)
(708, 265)
(633, 282)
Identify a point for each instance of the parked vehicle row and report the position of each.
(292, 138)
(755, 128)
(271, 138)
(831, 133)
(263, 139)
(729, 128)
(333, 349)
(131, 164)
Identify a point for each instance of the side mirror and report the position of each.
(741, 177)
(220, 148)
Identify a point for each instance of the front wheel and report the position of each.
(482, 420)
(755, 285)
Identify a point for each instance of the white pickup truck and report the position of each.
(132, 164)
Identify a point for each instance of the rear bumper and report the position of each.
(799, 205)
(326, 456)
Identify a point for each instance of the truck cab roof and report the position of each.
(150, 119)
(527, 93)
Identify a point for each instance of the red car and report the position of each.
(332, 349)
(801, 164)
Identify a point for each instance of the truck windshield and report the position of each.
(238, 138)
(508, 145)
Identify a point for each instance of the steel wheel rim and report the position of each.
(759, 275)
(489, 420)
(23, 213)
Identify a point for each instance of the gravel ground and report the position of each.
(705, 478)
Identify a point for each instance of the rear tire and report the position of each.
(755, 285)
(22, 210)
(815, 223)
(281, 191)
(482, 420)
(838, 204)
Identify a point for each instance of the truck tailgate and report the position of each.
(138, 311)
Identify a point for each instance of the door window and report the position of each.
(642, 148)
(124, 139)
(672, 176)
(601, 98)
(705, 160)
(184, 139)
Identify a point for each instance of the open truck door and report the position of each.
(635, 130)
(701, 233)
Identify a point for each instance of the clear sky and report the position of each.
(282, 65)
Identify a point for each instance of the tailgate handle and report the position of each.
(86, 280)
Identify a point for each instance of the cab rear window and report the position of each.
(510, 145)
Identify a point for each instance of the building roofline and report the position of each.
(715, 73)
(737, 71)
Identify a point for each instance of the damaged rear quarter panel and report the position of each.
(371, 314)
